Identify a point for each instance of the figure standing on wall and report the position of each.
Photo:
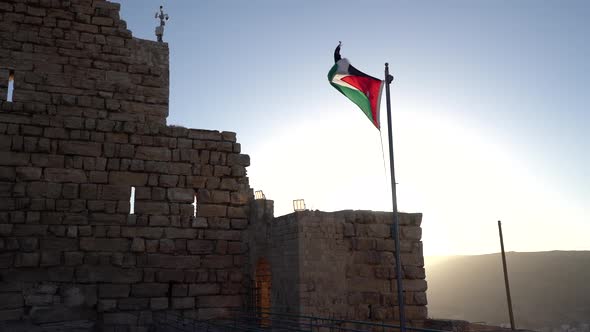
(160, 29)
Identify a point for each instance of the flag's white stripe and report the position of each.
(338, 80)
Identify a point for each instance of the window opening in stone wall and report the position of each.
(132, 201)
(195, 206)
(10, 86)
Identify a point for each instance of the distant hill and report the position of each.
(548, 288)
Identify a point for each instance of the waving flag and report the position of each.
(362, 89)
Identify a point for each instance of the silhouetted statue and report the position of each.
(160, 29)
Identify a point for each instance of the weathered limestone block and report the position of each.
(238, 159)
(10, 301)
(65, 175)
(153, 153)
(128, 178)
(180, 233)
(133, 303)
(138, 245)
(411, 232)
(93, 274)
(182, 302)
(149, 290)
(211, 210)
(204, 289)
(59, 244)
(98, 244)
(167, 246)
(113, 290)
(80, 148)
(168, 261)
(120, 318)
(28, 173)
(114, 192)
(200, 246)
(184, 195)
(159, 303)
(156, 208)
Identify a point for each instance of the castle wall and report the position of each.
(348, 261)
(76, 58)
(340, 264)
(87, 123)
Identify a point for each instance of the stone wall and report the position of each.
(349, 265)
(86, 125)
(76, 58)
(342, 264)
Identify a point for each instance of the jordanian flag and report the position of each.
(362, 89)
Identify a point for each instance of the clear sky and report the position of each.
(490, 108)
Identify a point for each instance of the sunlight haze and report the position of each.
(489, 106)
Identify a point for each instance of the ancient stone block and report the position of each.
(153, 153)
(93, 274)
(146, 207)
(149, 290)
(133, 303)
(168, 261)
(73, 258)
(138, 245)
(11, 300)
(98, 244)
(181, 195)
(59, 244)
(114, 192)
(180, 233)
(236, 212)
(27, 230)
(411, 232)
(120, 318)
(211, 210)
(167, 246)
(238, 159)
(65, 175)
(128, 178)
(50, 258)
(80, 148)
(170, 276)
(28, 173)
(182, 302)
(113, 290)
(200, 246)
(217, 261)
(204, 289)
(231, 235)
(159, 303)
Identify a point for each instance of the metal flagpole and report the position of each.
(395, 227)
(508, 297)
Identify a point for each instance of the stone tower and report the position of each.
(83, 109)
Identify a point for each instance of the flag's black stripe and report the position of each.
(356, 72)
(351, 69)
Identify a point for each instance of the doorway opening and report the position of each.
(263, 279)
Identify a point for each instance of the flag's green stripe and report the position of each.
(332, 72)
(357, 97)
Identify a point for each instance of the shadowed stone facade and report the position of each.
(85, 128)
(87, 122)
(339, 264)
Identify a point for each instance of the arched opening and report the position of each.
(263, 279)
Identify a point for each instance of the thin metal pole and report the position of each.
(395, 227)
(506, 277)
